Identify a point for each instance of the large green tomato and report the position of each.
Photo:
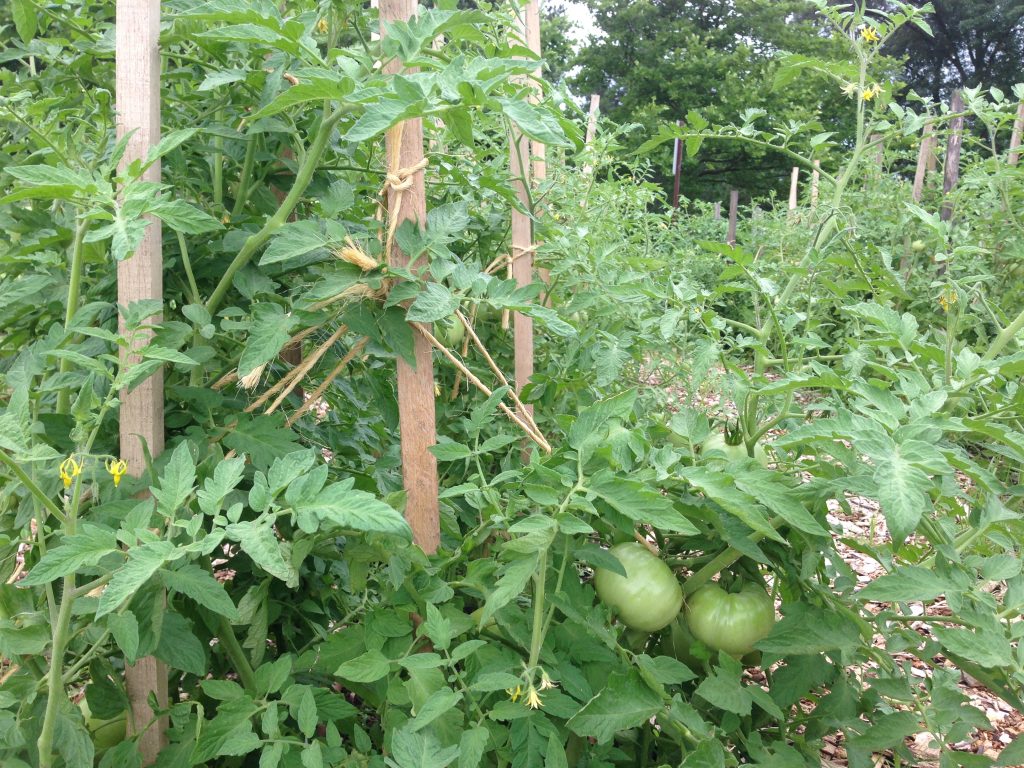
(730, 622)
(719, 454)
(648, 597)
(105, 733)
(450, 331)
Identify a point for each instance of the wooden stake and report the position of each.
(595, 105)
(951, 167)
(815, 180)
(734, 202)
(924, 155)
(538, 149)
(794, 186)
(415, 384)
(677, 168)
(522, 235)
(717, 210)
(1015, 137)
(140, 277)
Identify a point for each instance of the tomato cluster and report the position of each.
(649, 598)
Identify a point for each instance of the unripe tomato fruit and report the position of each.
(730, 622)
(917, 245)
(450, 331)
(648, 597)
(718, 453)
(105, 733)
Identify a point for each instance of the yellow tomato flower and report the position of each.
(117, 469)
(533, 698)
(869, 34)
(69, 470)
(546, 682)
(514, 693)
(321, 26)
(947, 299)
(871, 92)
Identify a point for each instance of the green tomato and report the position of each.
(450, 331)
(917, 245)
(648, 597)
(719, 454)
(105, 733)
(730, 622)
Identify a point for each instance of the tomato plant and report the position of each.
(730, 621)
(648, 597)
(723, 448)
(450, 331)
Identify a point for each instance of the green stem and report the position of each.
(74, 296)
(218, 163)
(237, 655)
(302, 179)
(243, 179)
(723, 560)
(539, 582)
(186, 262)
(1005, 337)
(34, 489)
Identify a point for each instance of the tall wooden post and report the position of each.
(522, 232)
(137, 78)
(734, 203)
(717, 210)
(539, 165)
(815, 181)
(1015, 137)
(951, 166)
(415, 384)
(794, 186)
(677, 168)
(595, 106)
(924, 155)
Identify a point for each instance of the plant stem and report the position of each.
(242, 193)
(302, 179)
(74, 296)
(723, 560)
(34, 489)
(237, 655)
(539, 581)
(1005, 337)
(186, 262)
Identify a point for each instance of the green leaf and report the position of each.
(262, 438)
(906, 583)
(719, 487)
(178, 646)
(377, 118)
(771, 490)
(316, 89)
(591, 419)
(368, 668)
(124, 628)
(472, 746)
(437, 704)
(902, 493)
(807, 630)
(258, 541)
(226, 477)
(723, 689)
(511, 583)
(143, 562)
(184, 217)
(412, 749)
(200, 585)
(293, 240)
(984, 646)
(624, 703)
(307, 715)
(177, 481)
(434, 302)
(534, 121)
(82, 550)
(343, 506)
(437, 628)
(270, 330)
(229, 733)
(24, 13)
(665, 670)
(640, 503)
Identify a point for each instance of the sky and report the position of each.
(579, 14)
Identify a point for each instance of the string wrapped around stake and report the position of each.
(398, 180)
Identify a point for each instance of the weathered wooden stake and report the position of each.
(717, 210)
(924, 155)
(1015, 137)
(595, 107)
(677, 168)
(815, 180)
(539, 165)
(734, 203)
(415, 384)
(140, 277)
(794, 186)
(951, 166)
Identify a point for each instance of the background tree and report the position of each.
(973, 42)
(658, 61)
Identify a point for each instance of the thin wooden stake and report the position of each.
(539, 165)
(415, 384)
(794, 186)
(924, 153)
(815, 181)
(734, 203)
(1015, 137)
(140, 277)
(677, 168)
(522, 235)
(595, 108)
(717, 210)
(951, 167)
